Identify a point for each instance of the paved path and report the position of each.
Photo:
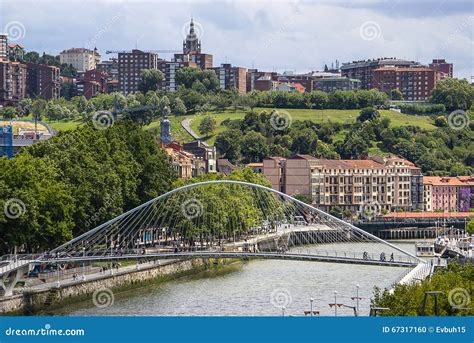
(186, 124)
(100, 275)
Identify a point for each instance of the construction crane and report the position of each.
(150, 51)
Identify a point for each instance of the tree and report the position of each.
(207, 125)
(228, 144)
(470, 227)
(8, 112)
(150, 80)
(254, 147)
(395, 94)
(455, 94)
(368, 113)
(304, 141)
(179, 107)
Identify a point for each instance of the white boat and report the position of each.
(425, 249)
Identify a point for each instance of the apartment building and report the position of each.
(232, 77)
(442, 67)
(80, 58)
(347, 184)
(448, 194)
(130, 66)
(91, 83)
(169, 69)
(12, 82)
(332, 84)
(3, 46)
(414, 83)
(43, 81)
(363, 70)
(254, 74)
(204, 152)
(274, 170)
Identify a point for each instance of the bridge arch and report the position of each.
(319, 220)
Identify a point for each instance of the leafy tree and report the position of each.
(150, 80)
(179, 107)
(228, 144)
(369, 114)
(207, 125)
(254, 147)
(407, 299)
(304, 141)
(395, 94)
(8, 112)
(453, 93)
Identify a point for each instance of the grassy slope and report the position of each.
(318, 116)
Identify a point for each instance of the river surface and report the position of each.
(254, 288)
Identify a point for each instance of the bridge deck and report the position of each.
(224, 254)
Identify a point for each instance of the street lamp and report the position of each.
(311, 305)
(83, 264)
(357, 299)
(335, 303)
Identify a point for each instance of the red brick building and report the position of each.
(414, 83)
(43, 81)
(362, 70)
(444, 68)
(91, 83)
(130, 66)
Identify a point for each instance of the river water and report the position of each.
(254, 288)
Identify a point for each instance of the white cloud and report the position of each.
(292, 35)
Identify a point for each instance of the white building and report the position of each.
(80, 58)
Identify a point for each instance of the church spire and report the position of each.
(191, 44)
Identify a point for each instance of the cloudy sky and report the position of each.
(268, 35)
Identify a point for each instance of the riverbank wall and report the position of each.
(31, 302)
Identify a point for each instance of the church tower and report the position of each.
(192, 44)
(165, 128)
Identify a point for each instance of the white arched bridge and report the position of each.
(215, 219)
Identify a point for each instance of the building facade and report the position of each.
(204, 152)
(232, 77)
(332, 84)
(442, 67)
(80, 58)
(13, 78)
(130, 66)
(414, 83)
(448, 194)
(169, 69)
(384, 182)
(3, 46)
(43, 81)
(363, 70)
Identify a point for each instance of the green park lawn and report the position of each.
(316, 116)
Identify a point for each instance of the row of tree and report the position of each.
(77, 180)
(453, 283)
(444, 151)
